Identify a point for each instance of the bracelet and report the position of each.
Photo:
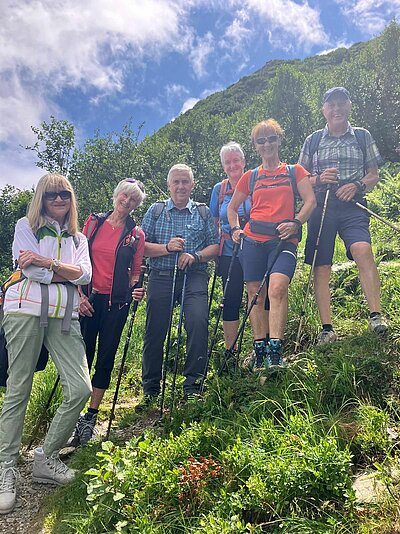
(197, 257)
(360, 186)
(166, 246)
(298, 222)
(233, 229)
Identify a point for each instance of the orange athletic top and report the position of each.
(270, 204)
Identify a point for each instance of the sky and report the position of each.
(99, 63)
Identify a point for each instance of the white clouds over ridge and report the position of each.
(97, 47)
(370, 15)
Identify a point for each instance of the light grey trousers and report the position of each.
(24, 340)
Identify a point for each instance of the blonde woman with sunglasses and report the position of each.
(43, 309)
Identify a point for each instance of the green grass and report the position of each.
(252, 458)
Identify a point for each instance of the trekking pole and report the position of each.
(168, 346)
(42, 416)
(310, 275)
(220, 310)
(178, 343)
(379, 217)
(212, 289)
(126, 347)
(229, 352)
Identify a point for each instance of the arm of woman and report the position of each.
(78, 273)
(137, 259)
(26, 244)
(306, 193)
(288, 229)
(232, 211)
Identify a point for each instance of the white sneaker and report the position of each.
(50, 469)
(326, 336)
(378, 325)
(8, 486)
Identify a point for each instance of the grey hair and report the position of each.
(232, 146)
(180, 167)
(131, 187)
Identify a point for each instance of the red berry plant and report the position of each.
(196, 482)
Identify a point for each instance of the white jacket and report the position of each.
(54, 242)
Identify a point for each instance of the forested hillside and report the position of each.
(253, 456)
(289, 91)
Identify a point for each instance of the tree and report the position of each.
(54, 145)
(13, 205)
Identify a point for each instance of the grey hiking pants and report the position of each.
(24, 340)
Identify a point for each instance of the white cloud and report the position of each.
(286, 17)
(199, 54)
(17, 168)
(339, 44)
(370, 15)
(47, 46)
(188, 104)
(176, 89)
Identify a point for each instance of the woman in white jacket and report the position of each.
(43, 309)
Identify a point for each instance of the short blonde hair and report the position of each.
(269, 124)
(231, 147)
(131, 187)
(37, 211)
(180, 167)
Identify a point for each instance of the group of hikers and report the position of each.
(251, 227)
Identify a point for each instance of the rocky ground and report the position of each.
(29, 513)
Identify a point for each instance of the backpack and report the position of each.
(222, 192)
(160, 206)
(291, 174)
(359, 133)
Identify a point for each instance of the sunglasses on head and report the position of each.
(267, 139)
(138, 182)
(52, 195)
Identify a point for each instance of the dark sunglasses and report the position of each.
(268, 139)
(52, 195)
(133, 181)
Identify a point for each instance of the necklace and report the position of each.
(113, 226)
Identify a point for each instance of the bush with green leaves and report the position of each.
(281, 468)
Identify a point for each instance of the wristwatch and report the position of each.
(55, 265)
(361, 186)
(197, 257)
(233, 229)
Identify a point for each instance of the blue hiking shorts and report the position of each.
(256, 257)
(343, 218)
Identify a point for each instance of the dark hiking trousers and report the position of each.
(195, 321)
(107, 324)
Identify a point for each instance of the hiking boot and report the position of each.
(148, 401)
(275, 353)
(378, 325)
(84, 430)
(50, 469)
(326, 336)
(8, 486)
(261, 362)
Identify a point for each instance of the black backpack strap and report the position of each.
(158, 208)
(314, 142)
(361, 137)
(203, 210)
(292, 175)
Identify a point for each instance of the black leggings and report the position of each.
(234, 294)
(107, 324)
